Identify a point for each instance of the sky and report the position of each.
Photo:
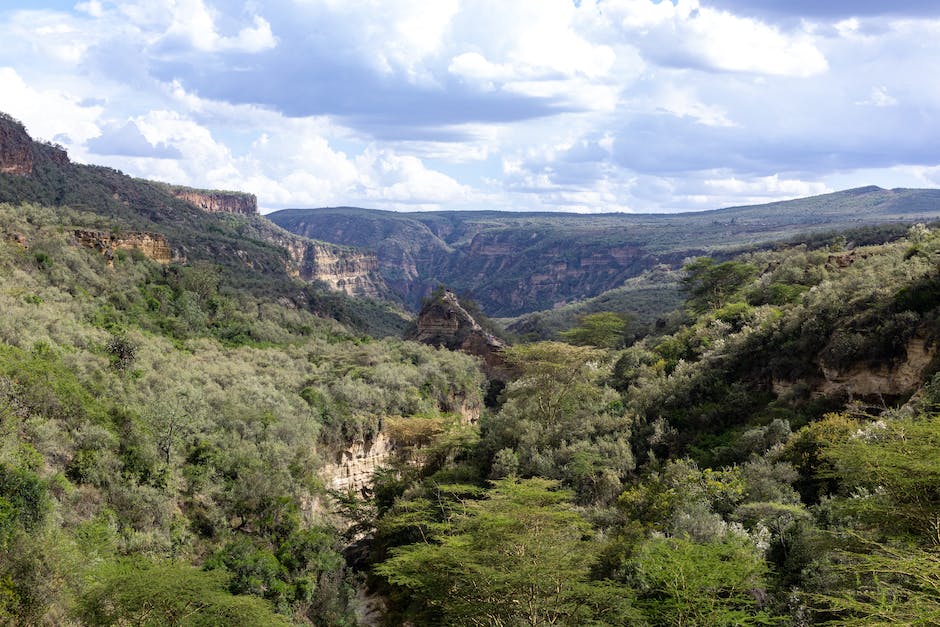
(539, 105)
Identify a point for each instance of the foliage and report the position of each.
(519, 556)
(604, 329)
(682, 582)
(143, 593)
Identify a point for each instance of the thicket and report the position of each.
(704, 477)
(161, 435)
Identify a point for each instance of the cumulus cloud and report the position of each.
(128, 141)
(535, 104)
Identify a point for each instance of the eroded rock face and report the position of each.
(219, 202)
(353, 468)
(444, 322)
(16, 149)
(343, 269)
(153, 246)
(870, 381)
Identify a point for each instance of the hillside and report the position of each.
(198, 428)
(770, 461)
(221, 228)
(514, 263)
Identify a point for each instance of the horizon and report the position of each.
(598, 106)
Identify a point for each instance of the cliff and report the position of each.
(515, 262)
(218, 201)
(446, 323)
(344, 269)
(16, 148)
(151, 245)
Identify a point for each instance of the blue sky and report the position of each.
(599, 105)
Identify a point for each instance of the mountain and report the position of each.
(197, 226)
(514, 263)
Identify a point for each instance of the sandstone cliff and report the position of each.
(19, 154)
(218, 201)
(444, 322)
(344, 269)
(151, 245)
(874, 382)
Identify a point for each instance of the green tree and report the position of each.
(710, 284)
(681, 582)
(604, 329)
(136, 592)
(521, 556)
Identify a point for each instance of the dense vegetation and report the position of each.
(715, 475)
(766, 455)
(161, 434)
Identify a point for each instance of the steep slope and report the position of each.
(513, 263)
(208, 226)
(163, 433)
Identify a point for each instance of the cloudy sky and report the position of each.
(590, 105)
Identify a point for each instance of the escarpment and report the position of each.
(19, 154)
(870, 381)
(343, 269)
(16, 148)
(151, 245)
(218, 201)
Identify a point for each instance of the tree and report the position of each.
(682, 582)
(710, 284)
(604, 329)
(521, 556)
(136, 592)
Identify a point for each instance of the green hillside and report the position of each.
(161, 435)
(772, 461)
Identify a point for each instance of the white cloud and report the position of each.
(686, 33)
(48, 114)
(195, 22)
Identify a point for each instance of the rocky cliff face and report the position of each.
(444, 322)
(873, 382)
(153, 246)
(218, 202)
(19, 154)
(343, 269)
(353, 468)
(16, 148)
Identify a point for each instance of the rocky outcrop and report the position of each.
(874, 382)
(444, 322)
(353, 468)
(153, 246)
(217, 201)
(16, 148)
(343, 269)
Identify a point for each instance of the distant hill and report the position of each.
(513, 263)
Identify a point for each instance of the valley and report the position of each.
(517, 263)
(210, 417)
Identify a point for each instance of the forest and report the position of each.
(764, 455)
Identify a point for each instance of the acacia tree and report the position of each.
(604, 329)
(521, 556)
(710, 283)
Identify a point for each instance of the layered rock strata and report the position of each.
(444, 322)
(218, 202)
(151, 245)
